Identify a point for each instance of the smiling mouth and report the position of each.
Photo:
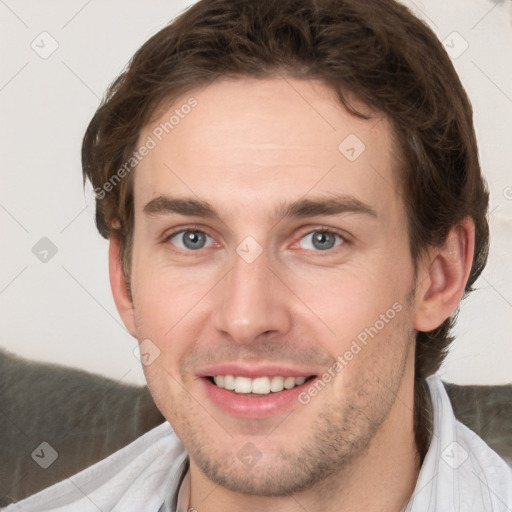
(258, 386)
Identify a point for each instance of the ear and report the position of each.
(119, 287)
(443, 276)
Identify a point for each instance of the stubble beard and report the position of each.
(339, 436)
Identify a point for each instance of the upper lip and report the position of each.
(254, 370)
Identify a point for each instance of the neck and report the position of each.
(381, 479)
(422, 417)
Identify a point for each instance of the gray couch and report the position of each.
(85, 418)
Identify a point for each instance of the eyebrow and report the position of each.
(164, 205)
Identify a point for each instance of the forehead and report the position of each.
(251, 140)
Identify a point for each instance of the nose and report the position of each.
(252, 302)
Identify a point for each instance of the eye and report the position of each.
(321, 240)
(192, 240)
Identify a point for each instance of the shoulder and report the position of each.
(460, 471)
(482, 466)
(137, 477)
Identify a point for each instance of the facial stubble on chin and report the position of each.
(340, 434)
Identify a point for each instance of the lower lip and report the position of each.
(253, 406)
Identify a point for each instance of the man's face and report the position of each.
(256, 293)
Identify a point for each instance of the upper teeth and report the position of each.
(259, 385)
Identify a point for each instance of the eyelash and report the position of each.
(319, 229)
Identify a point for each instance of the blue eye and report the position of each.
(190, 240)
(322, 240)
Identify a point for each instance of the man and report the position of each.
(295, 209)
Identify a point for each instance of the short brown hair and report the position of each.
(375, 49)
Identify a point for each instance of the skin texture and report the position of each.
(247, 148)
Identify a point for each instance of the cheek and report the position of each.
(347, 301)
(158, 311)
(172, 307)
(369, 320)
(163, 295)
